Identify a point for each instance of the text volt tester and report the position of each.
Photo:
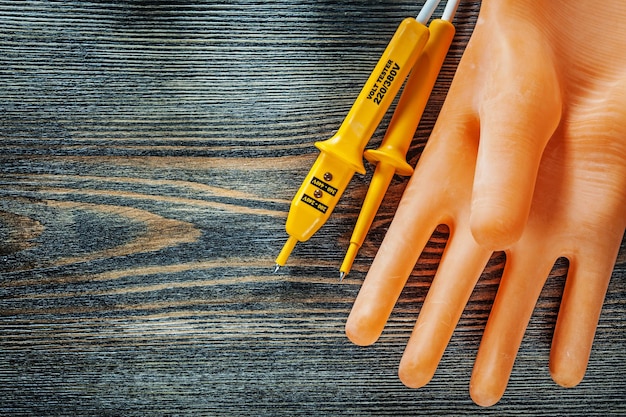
(413, 48)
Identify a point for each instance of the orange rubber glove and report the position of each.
(529, 156)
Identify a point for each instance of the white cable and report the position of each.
(450, 10)
(427, 11)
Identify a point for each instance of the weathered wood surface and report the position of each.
(148, 153)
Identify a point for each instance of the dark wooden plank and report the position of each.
(148, 153)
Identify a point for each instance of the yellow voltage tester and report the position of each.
(342, 155)
(390, 157)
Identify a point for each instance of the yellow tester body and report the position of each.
(342, 155)
(390, 157)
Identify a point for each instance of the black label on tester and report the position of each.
(314, 203)
(324, 186)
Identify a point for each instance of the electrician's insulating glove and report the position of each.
(528, 156)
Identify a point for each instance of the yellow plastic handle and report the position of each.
(342, 155)
(413, 101)
(391, 155)
(377, 94)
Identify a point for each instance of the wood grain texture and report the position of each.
(148, 153)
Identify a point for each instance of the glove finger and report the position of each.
(519, 109)
(461, 265)
(414, 222)
(585, 288)
(424, 205)
(523, 278)
(594, 195)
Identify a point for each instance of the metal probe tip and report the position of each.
(341, 276)
(276, 268)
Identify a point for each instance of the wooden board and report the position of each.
(148, 153)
